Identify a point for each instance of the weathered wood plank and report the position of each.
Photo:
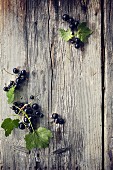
(108, 18)
(68, 81)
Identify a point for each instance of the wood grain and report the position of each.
(108, 17)
(67, 81)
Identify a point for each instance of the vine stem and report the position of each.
(8, 72)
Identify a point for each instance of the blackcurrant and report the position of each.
(23, 72)
(21, 126)
(15, 70)
(65, 17)
(12, 83)
(77, 46)
(26, 120)
(71, 20)
(5, 89)
(16, 110)
(31, 97)
(13, 108)
(21, 105)
(28, 111)
(72, 26)
(37, 113)
(16, 103)
(9, 86)
(17, 86)
(60, 121)
(30, 129)
(77, 40)
(41, 115)
(18, 80)
(35, 106)
(76, 23)
(72, 41)
(55, 115)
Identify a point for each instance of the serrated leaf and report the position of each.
(8, 125)
(38, 139)
(10, 95)
(66, 35)
(83, 32)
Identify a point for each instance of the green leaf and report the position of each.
(10, 94)
(8, 125)
(83, 32)
(40, 138)
(66, 35)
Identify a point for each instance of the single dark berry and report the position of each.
(76, 23)
(15, 70)
(5, 89)
(72, 41)
(71, 20)
(9, 86)
(23, 72)
(16, 103)
(21, 126)
(18, 80)
(32, 97)
(28, 111)
(65, 17)
(72, 26)
(37, 113)
(60, 121)
(55, 115)
(13, 107)
(30, 129)
(77, 46)
(41, 115)
(21, 105)
(17, 86)
(77, 40)
(12, 83)
(26, 120)
(35, 106)
(16, 110)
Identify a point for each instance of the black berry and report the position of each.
(60, 121)
(72, 26)
(26, 120)
(28, 111)
(13, 108)
(18, 80)
(12, 83)
(17, 86)
(16, 103)
(77, 46)
(72, 41)
(30, 129)
(21, 126)
(71, 20)
(77, 40)
(76, 23)
(55, 115)
(16, 110)
(23, 72)
(65, 17)
(21, 105)
(5, 89)
(15, 70)
(31, 97)
(37, 113)
(35, 106)
(41, 115)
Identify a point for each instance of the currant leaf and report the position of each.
(40, 138)
(83, 32)
(11, 95)
(8, 125)
(66, 35)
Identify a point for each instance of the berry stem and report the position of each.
(8, 72)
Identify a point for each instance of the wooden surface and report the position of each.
(67, 81)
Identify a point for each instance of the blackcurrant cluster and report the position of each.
(73, 25)
(21, 77)
(58, 119)
(32, 114)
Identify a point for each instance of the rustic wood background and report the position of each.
(76, 84)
